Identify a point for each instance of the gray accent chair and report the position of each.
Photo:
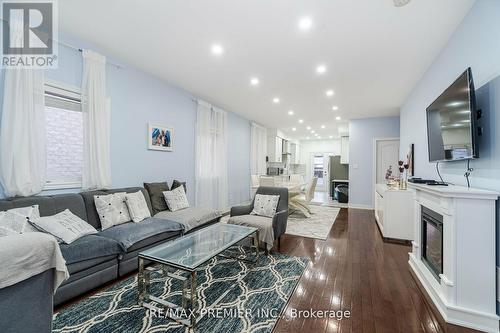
(279, 220)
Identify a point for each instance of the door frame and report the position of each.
(374, 163)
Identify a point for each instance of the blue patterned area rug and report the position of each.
(254, 304)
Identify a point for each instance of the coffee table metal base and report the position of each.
(189, 287)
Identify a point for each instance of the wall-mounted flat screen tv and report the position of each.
(451, 122)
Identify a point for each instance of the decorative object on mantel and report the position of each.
(389, 178)
(160, 137)
(388, 173)
(403, 184)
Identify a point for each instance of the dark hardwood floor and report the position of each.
(355, 270)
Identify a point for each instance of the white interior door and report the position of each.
(387, 155)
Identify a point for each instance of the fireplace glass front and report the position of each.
(432, 241)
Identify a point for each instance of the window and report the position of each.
(64, 133)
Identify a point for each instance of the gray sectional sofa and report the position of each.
(27, 306)
(94, 260)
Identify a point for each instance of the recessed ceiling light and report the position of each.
(307, 138)
(301, 121)
(276, 100)
(401, 3)
(312, 132)
(294, 129)
(319, 137)
(321, 69)
(254, 81)
(337, 118)
(335, 108)
(329, 93)
(323, 126)
(308, 128)
(331, 136)
(305, 23)
(217, 49)
(290, 112)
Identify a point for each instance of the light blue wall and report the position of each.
(475, 44)
(138, 98)
(362, 133)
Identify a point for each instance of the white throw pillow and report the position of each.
(137, 206)
(265, 205)
(112, 209)
(176, 199)
(16, 221)
(65, 226)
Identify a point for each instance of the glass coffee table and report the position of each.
(186, 254)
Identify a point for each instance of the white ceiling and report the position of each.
(374, 52)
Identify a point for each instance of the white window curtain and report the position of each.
(22, 133)
(258, 149)
(211, 157)
(96, 171)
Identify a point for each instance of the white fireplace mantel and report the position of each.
(465, 293)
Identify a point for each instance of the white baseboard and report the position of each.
(356, 206)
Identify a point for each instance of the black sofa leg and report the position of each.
(279, 243)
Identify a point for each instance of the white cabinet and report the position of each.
(379, 208)
(278, 149)
(344, 150)
(294, 153)
(394, 212)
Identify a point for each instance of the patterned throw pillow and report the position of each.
(64, 226)
(176, 199)
(265, 205)
(137, 206)
(16, 221)
(112, 209)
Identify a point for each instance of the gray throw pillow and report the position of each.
(155, 191)
(176, 184)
